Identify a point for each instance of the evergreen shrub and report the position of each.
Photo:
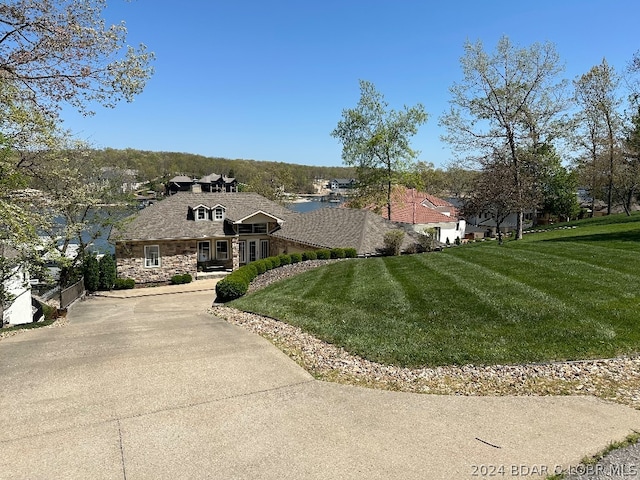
(181, 279)
(284, 259)
(350, 253)
(106, 272)
(310, 255)
(124, 283)
(91, 271)
(323, 254)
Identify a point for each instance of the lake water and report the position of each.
(303, 207)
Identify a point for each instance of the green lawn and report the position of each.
(562, 294)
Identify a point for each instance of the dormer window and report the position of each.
(218, 213)
(201, 213)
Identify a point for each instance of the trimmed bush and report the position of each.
(350, 253)
(393, 241)
(337, 253)
(107, 272)
(231, 287)
(323, 254)
(275, 261)
(284, 259)
(124, 283)
(261, 266)
(251, 271)
(181, 279)
(295, 257)
(310, 255)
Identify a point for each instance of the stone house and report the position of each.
(191, 232)
(209, 183)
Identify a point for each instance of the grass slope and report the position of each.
(557, 295)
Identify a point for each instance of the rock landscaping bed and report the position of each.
(59, 322)
(610, 379)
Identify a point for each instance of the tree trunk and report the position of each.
(611, 156)
(389, 200)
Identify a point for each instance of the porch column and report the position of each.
(235, 253)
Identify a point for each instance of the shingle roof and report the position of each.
(417, 208)
(167, 219)
(181, 179)
(212, 177)
(339, 227)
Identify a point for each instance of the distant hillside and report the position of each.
(161, 166)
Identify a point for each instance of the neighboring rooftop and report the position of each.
(408, 205)
(340, 227)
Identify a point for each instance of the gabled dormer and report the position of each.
(259, 222)
(218, 213)
(202, 212)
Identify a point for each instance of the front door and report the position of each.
(204, 251)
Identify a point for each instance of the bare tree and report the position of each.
(597, 95)
(495, 194)
(508, 104)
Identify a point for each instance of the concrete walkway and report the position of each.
(153, 387)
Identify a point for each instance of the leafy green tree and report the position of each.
(375, 141)
(509, 102)
(560, 193)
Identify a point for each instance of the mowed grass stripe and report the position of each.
(555, 287)
(566, 277)
(615, 261)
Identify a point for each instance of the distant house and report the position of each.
(191, 232)
(208, 183)
(342, 183)
(19, 310)
(424, 211)
(485, 223)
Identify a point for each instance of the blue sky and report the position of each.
(268, 80)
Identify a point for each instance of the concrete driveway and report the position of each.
(152, 387)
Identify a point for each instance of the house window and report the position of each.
(222, 250)
(259, 228)
(151, 256)
(242, 251)
(201, 213)
(218, 213)
(264, 248)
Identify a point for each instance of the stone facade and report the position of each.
(176, 257)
